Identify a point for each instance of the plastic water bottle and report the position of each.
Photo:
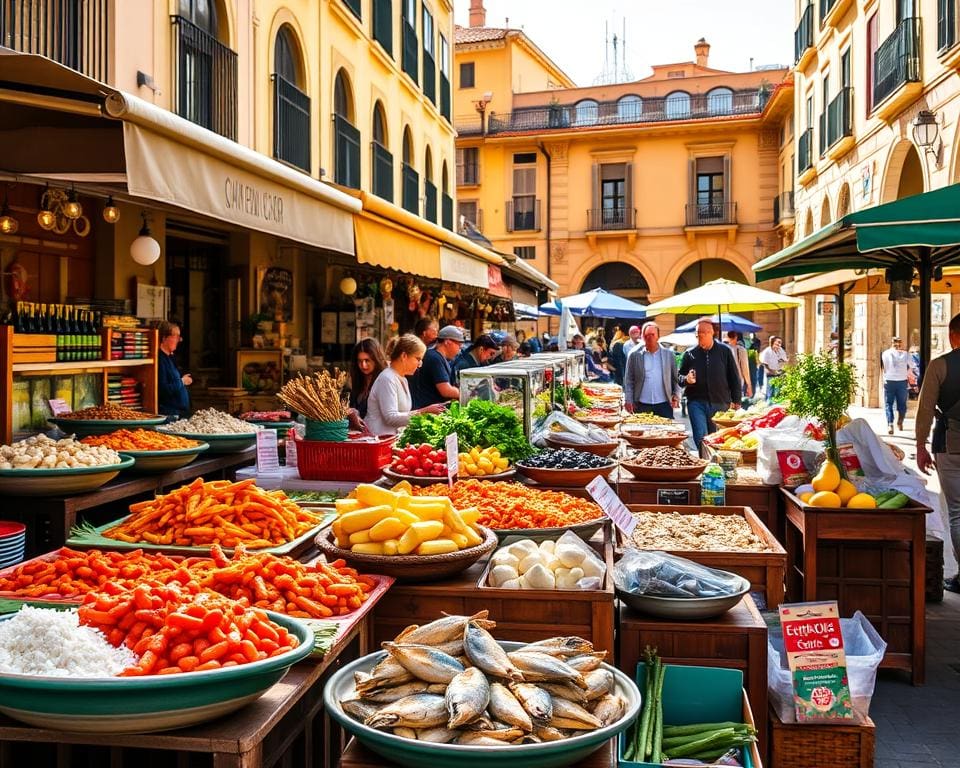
(713, 486)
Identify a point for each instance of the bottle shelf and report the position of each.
(80, 365)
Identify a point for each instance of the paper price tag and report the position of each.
(268, 460)
(290, 449)
(452, 445)
(58, 407)
(611, 505)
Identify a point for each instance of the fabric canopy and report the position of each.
(716, 295)
(389, 245)
(728, 321)
(596, 303)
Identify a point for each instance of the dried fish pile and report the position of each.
(450, 682)
(674, 532)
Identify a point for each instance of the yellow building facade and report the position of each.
(646, 188)
(866, 72)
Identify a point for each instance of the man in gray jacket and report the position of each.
(650, 382)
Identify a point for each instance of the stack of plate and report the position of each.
(13, 540)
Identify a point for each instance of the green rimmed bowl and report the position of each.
(229, 443)
(164, 461)
(146, 704)
(85, 427)
(416, 754)
(59, 482)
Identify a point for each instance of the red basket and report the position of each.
(348, 460)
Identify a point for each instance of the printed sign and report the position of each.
(611, 505)
(673, 496)
(58, 406)
(452, 445)
(268, 460)
(290, 449)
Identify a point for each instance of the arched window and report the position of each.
(629, 109)
(379, 125)
(720, 101)
(446, 201)
(445, 179)
(286, 56)
(677, 105)
(407, 146)
(291, 106)
(382, 161)
(587, 112)
(411, 179)
(342, 101)
(200, 13)
(429, 188)
(346, 136)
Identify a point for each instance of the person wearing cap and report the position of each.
(634, 342)
(481, 352)
(432, 383)
(508, 348)
(895, 364)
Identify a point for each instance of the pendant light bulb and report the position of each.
(145, 250)
(72, 208)
(8, 224)
(111, 214)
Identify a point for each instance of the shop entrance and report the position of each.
(196, 275)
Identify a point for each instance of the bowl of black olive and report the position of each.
(565, 467)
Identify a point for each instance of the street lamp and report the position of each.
(481, 107)
(925, 132)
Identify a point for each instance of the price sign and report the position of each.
(611, 505)
(58, 407)
(452, 445)
(268, 460)
(673, 496)
(290, 448)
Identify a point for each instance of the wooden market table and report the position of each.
(735, 640)
(358, 756)
(49, 519)
(870, 560)
(287, 725)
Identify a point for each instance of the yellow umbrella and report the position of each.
(729, 295)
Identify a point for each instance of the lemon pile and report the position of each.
(831, 490)
(479, 462)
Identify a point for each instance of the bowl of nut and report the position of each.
(41, 466)
(663, 462)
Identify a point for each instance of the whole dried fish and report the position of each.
(536, 701)
(388, 695)
(424, 662)
(610, 708)
(538, 667)
(505, 707)
(422, 710)
(567, 714)
(359, 709)
(467, 697)
(560, 646)
(587, 662)
(443, 630)
(567, 691)
(407, 733)
(548, 733)
(599, 683)
(501, 734)
(478, 740)
(439, 735)
(487, 654)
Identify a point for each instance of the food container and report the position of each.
(598, 449)
(59, 482)
(564, 478)
(85, 427)
(223, 443)
(164, 461)
(667, 474)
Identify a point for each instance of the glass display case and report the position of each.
(517, 386)
(572, 363)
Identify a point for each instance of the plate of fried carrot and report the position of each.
(152, 451)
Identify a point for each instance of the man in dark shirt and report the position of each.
(432, 381)
(481, 352)
(172, 398)
(709, 374)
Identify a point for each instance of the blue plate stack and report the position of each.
(13, 541)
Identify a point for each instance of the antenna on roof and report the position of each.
(615, 70)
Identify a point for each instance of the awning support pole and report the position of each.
(842, 292)
(926, 277)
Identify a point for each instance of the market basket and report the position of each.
(360, 460)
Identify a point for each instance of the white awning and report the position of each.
(457, 267)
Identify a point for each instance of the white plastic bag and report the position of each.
(787, 435)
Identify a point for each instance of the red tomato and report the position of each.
(425, 448)
(427, 463)
(441, 455)
(419, 472)
(412, 462)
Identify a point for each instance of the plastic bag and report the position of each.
(788, 434)
(864, 649)
(556, 422)
(643, 572)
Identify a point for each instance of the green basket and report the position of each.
(330, 431)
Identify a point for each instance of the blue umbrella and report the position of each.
(596, 303)
(726, 320)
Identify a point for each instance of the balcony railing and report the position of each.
(383, 24)
(382, 165)
(429, 76)
(707, 214)
(897, 60)
(469, 126)
(75, 33)
(346, 142)
(840, 117)
(468, 175)
(291, 123)
(783, 207)
(446, 212)
(206, 84)
(652, 110)
(803, 35)
(411, 51)
(523, 215)
(805, 151)
(430, 201)
(611, 218)
(411, 190)
(445, 96)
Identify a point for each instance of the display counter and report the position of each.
(358, 756)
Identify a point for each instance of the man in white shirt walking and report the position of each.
(895, 363)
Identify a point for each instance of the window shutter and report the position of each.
(727, 180)
(692, 182)
(595, 186)
(628, 191)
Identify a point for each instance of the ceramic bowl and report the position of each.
(59, 482)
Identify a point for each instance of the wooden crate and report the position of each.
(34, 348)
(764, 570)
(647, 492)
(522, 615)
(737, 640)
(823, 745)
(763, 499)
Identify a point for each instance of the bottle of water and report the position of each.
(713, 486)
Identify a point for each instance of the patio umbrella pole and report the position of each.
(926, 276)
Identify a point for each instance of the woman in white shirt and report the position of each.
(389, 404)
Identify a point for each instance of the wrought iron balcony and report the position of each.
(840, 117)
(469, 126)
(711, 213)
(75, 33)
(611, 219)
(523, 215)
(382, 165)
(446, 212)
(805, 150)
(803, 35)
(897, 60)
(346, 142)
(651, 110)
(291, 123)
(206, 84)
(411, 190)
(783, 207)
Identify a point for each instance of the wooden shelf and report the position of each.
(80, 365)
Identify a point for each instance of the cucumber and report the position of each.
(885, 496)
(897, 501)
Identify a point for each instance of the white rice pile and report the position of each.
(43, 641)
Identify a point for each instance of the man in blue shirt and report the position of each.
(432, 381)
(650, 383)
(172, 397)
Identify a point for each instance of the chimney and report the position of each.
(478, 14)
(702, 49)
